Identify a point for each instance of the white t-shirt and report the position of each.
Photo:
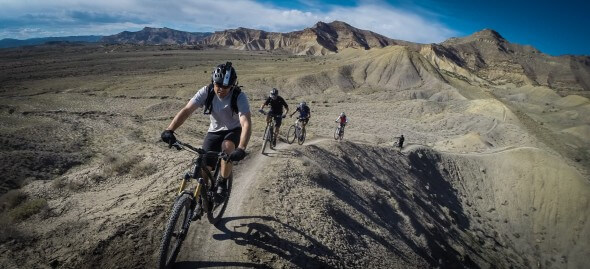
(222, 117)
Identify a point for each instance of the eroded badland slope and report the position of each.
(493, 174)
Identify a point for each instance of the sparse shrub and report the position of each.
(59, 182)
(75, 185)
(27, 209)
(144, 169)
(64, 183)
(119, 165)
(8, 231)
(97, 178)
(11, 199)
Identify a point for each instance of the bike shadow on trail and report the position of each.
(281, 153)
(261, 232)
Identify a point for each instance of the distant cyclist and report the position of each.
(276, 111)
(342, 120)
(229, 113)
(400, 141)
(304, 114)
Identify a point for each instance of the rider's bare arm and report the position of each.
(182, 115)
(246, 123)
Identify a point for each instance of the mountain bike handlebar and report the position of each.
(199, 151)
(276, 115)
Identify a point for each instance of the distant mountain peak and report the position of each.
(484, 36)
(334, 24)
(488, 33)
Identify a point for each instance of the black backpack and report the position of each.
(211, 93)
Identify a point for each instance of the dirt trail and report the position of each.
(219, 246)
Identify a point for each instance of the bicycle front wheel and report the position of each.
(337, 133)
(291, 134)
(301, 136)
(176, 229)
(215, 214)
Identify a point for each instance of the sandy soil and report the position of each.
(490, 176)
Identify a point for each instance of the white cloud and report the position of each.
(112, 16)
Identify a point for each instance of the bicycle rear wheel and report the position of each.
(176, 229)
(264, 139)
(271, 137)
(215, 214)
(291, 134)
(301, 136)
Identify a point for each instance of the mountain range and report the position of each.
(482, 56)
(11, 42)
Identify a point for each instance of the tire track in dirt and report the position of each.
(207, 245)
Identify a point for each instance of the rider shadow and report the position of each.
(281, 153)
(258, 231)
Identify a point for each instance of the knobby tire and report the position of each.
(301, 137)
(265, 138)
(216, 213)
(175, 229)
(291, 134)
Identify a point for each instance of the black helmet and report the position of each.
(224, 74)
(274, 92)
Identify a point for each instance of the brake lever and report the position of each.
(175, 145)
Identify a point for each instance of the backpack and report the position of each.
(211, 93)
(305, 110)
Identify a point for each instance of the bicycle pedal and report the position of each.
(196, 216)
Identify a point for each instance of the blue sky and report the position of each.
(553, 27)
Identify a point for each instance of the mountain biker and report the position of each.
(400, 141)
(276, 111)
(229, 130)
(342, 120)
(304, 114)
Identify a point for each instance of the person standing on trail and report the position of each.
(276, 111)
(230, 120)
(400, 141)
(304, 114)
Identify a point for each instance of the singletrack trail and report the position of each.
(225, 245)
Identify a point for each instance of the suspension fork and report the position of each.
(197, 175)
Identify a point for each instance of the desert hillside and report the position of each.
(494, 173)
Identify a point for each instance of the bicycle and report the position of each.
(296, 131)
(269, 132)
(339, 132)
(191, 205)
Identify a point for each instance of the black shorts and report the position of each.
(278, 118)
(304, 120)
(213, 141)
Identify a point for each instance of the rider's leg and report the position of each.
(277, 132)
(278, 121)
(228, 147)
(230, 142)
(212, 142)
